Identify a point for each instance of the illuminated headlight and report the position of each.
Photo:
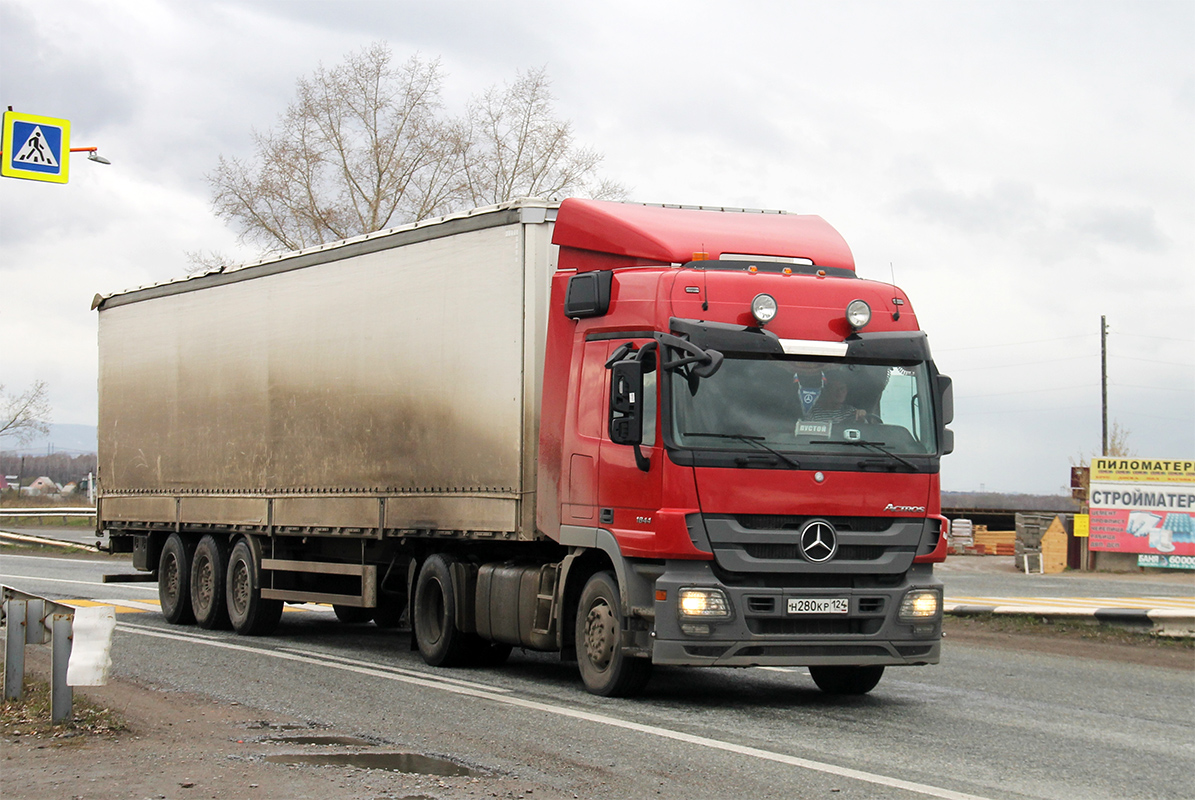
(858, 314)
(704, 603)
(763, 308)
(920, 604)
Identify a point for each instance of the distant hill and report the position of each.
(72, 439)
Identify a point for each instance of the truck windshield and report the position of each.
(805, 406)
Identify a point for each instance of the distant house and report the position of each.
(41, 486)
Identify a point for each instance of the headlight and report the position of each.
(763, 308)
(920, 604)
(858, 314)
(703, 603)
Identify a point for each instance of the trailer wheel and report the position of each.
(209, 568)
(846, 679)
(174, 580)
(251, 615)
(352, 615)
(605, 669)
(434, 619)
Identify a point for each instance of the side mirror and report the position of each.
(626, 402)
(946, 398)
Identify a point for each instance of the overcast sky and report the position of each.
(1020, 167)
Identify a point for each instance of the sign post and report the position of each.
(35, 148)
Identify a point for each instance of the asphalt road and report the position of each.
(989, 723)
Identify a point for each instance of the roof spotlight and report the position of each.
(763, 308)
(858, 314)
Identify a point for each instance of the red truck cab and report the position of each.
(751, 434)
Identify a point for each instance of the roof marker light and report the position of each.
(763, 308)
(858, 314)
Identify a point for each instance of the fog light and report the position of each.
(763, 308)
(919, 604)
(689, 629)
(858, 314)
(706, 603)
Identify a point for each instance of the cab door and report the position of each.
(628, 497)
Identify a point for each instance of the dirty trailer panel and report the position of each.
(394, 388)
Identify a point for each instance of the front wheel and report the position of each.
(605, 669)
(846, 680)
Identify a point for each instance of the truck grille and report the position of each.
(782, 522)
(848, 552)
(814, 627)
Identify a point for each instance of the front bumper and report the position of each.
(761, 632)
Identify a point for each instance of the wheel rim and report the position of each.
(170, 578)
(600, 635)
(433, 611)
(203, 587)
(240, 587)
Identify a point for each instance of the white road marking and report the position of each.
(489, 693)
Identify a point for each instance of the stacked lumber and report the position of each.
(1053, 548)
(995, 543)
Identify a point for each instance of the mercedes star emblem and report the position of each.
(819, 542)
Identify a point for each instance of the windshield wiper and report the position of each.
(755, 440)
(875, 446)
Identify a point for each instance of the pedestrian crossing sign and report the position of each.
(35, 148)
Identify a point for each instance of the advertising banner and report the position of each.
(1144, 506)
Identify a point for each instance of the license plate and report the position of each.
(818, 605)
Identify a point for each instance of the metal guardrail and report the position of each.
(47, 512)
(30, 619)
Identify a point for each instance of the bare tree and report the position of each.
(516, 147)
(24, 416)
(362, 147)
(367, 145)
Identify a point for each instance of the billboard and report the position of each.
(1144, 506)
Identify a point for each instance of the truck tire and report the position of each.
(846, 679)
(251, 615)
(209, 568)
(352, 615)
(434, 617)
(605, 669)
(174, 580)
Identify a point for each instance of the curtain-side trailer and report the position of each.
(629, 434)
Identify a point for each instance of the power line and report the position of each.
(1153, 361)
(1020, 364)
(1015, 344)
(1027, 391)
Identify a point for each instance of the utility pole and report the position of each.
(1104, 377)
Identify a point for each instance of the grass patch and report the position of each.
(30, 717)
(1066, 628)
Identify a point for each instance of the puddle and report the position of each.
(394, 762)
(343, 741)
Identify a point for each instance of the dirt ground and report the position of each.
(178, 745)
